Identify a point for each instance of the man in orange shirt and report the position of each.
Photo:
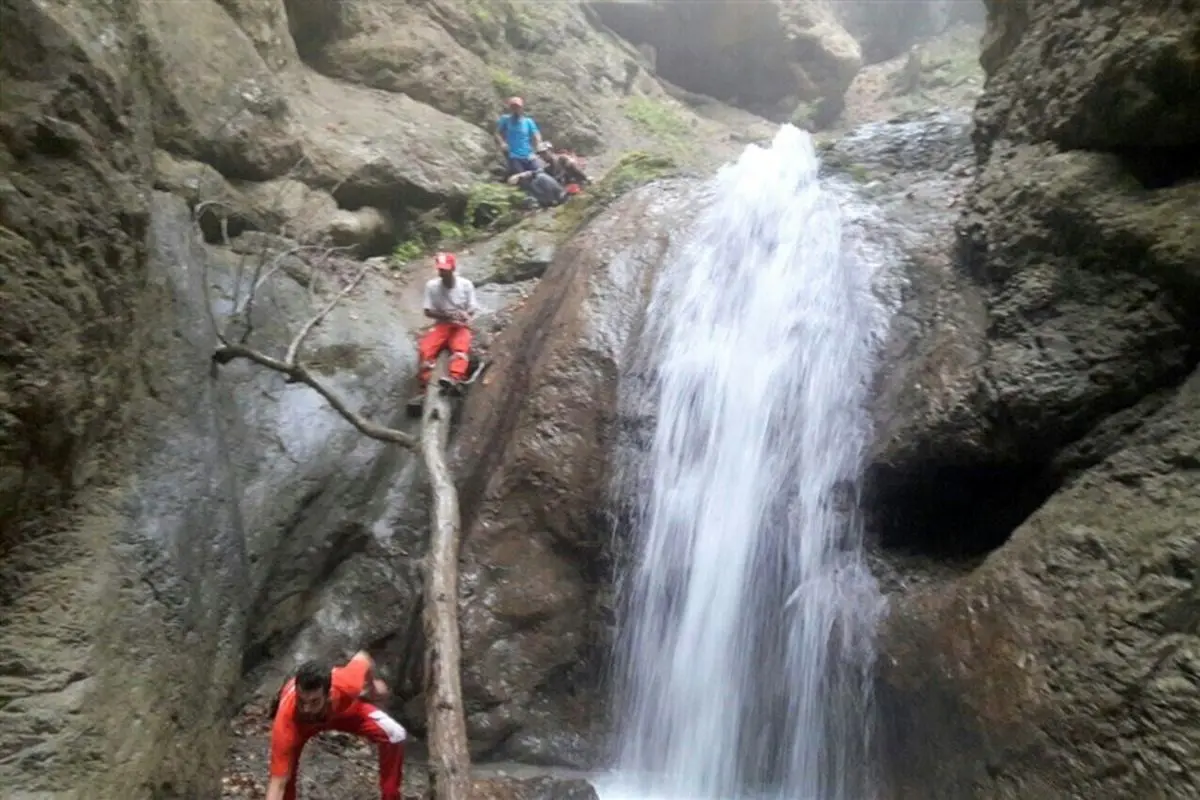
(319, 699)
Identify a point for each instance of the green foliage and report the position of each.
(408, 250)
(449, 232)
(493, 206)
(657, 118)
(490, 207)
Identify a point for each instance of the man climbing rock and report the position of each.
(450, 303)
(340, 699)
(518, 137)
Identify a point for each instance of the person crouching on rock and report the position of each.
(340, 699)
(450, 302)
(539, 185)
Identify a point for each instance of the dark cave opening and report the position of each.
(1161, 167)
(313, 24)
(950, 512)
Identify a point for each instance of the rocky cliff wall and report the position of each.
(1060, 665)
(165, 529)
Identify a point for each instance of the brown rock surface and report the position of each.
(533, 455)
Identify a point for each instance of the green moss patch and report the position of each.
(659, 119)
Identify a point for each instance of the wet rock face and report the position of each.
(911, 174)
(1061, 665)
(533, 455)
(763, 56)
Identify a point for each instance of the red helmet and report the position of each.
(516, 101)
(444, 261)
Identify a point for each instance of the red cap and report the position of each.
(444, 261)
(516, 101)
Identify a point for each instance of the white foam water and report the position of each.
(747, 609)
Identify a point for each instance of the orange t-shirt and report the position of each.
(288, 735)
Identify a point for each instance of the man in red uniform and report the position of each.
(319, 699)
(450, 303)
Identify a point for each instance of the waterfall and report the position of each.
(747, 609)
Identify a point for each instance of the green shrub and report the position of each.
(408, 250)
(493, 206)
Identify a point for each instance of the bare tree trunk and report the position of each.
(449, 757)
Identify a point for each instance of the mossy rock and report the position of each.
(657, 118)
(631, 171)
(505, 83)
(522, 257)
(494, 206)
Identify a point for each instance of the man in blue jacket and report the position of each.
(519, 138)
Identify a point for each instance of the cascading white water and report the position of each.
(748, 609)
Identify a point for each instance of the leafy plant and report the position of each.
(408, 250)
(493, 206)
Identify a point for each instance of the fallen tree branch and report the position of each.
(449, 756)
(298, 373)
(294, 348)
(295, 371)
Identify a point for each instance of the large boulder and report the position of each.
(533, 455)
(215, 98)
(254, 122)
(763, 56)
(1119, 74)
(1083, 265)
(369, 147)
(1066, 665)
(409, 49)
(463, 58)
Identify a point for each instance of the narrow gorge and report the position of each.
(973, 268)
